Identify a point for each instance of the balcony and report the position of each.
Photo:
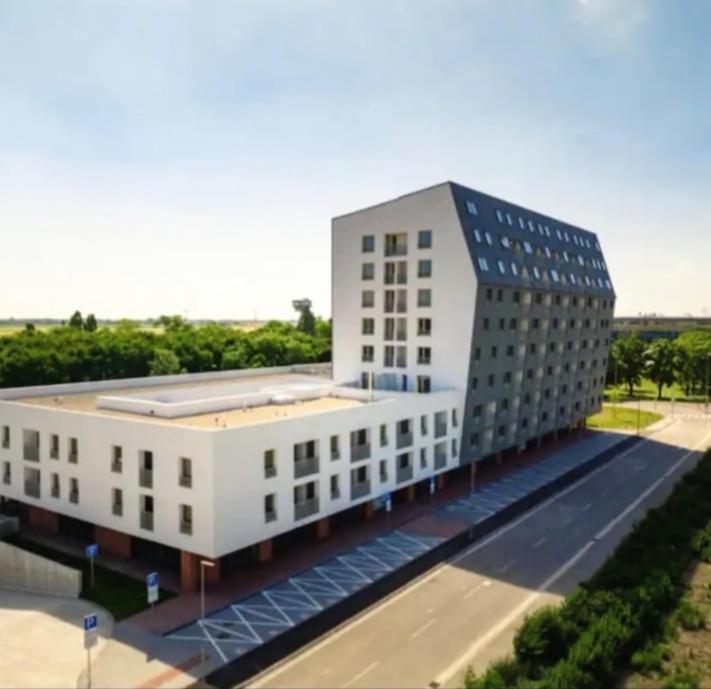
(73, 457)
(404, 473)
(186, 480)
(440, 429)
(145, 478)
(403, 440)
(440, 460)
(270, 472)
(74, 497)
(306, 508)
(305, 467)
(335, 493)
(116, 466)
(54, 492)
(360, 490)
(146, 520)
(6, 479)
(186, 528)
(117, 509)
(359, 452)
(32, 488)
(270, 516)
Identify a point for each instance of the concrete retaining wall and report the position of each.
(8, 525)
(20, 569)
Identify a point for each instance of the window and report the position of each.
(527, 248)
(73, 450)
(30, 445)
(367, 353)
(383, 470)
(424, 268)
(270, 513)
(488, 239)
(335, 487)
(335, 447)
(145, 469)
(505, 242)
(117, 502)
(455, 418)
(486, 323)
(270, 468)
(424, 297)
(6, 437)
(74, 491)
(471, 208)
(514, 269)
(502, 266)
(54, 446)
(494, 352)
(473, 440)
(367, 271)
(54, 486)
(186, 520)
(483, 264)
(477, 236)
(368, 244)
(186, 472)
(424, 355)
(6, 473)
(423, 425)
(474, 383)
(368, 326)
(116, 459)
(424, 326)
(383, 435)
(536, 273)
(424, 239)
(423, 458)
(146, 512)
(423, 384)
(508, 219)
(367, 298)
(396, 244)
(491, 380)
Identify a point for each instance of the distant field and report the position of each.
(11, 329)
(623, 418)
(648, 390)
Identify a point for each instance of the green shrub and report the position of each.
(503, 674)
(566, 675)
(541, 640)
(650, 658)
(689, 616)
(682, 678)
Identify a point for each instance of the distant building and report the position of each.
(652, 327)
(463, 327)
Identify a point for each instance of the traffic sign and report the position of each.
(152, 583)
(91, 630)
(92, 551)
(388, 502)
(432, 485)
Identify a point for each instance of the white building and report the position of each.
(460, 331)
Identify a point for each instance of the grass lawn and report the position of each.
(121, 595)
(625, 418)
(647, 390)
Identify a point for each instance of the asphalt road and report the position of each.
(466, 610)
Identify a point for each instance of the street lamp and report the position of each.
(203, 564)
(706, 399)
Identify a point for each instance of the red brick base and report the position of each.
(441, 481)
(113, 542)
(323, 528)
(265, 551)
(189, 575)
(410, 492)
(368, 510)
(42, 519)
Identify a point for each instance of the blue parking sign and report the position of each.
(91, 622)
(92, 551)
(152, 579)
(388, 502)
(152, 587)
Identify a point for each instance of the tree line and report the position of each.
(685, 360)
(82, 351)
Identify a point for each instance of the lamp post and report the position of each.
(639, 413)
(203, 564)
(706, 398)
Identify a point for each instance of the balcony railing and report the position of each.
(6, 479)
(32, 488)
(186, 480)
(306, 508)
(116, 466)
(73, 457)
(186, 528)
(404, 473)
(335, 493)
(117, 509)
(440, 429)
(360, 490)
(54, 453)
(305, 467)
(403, 440)
(359, 452)
(146, 520)
(145, 478)
(270, 516)
(55, 490)
(74, 496)
(440, 460)
(270, 472)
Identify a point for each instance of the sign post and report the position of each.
(432, 485)
(91, 552)
(91, 633)
(152, 583)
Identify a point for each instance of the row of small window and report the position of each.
(147, 511)
(396, 243)
(542, 324)
(31, 445)
(502, 430)
(32, 483)
(396, 300)
(396, 355)
(542, 348)
(543, 275)
(396, 273)
(423, 384)
(540, 298)
(507, 378)
(396, 328)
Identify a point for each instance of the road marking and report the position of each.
(480, 643)
(473, 590)
(361, 674)
(540, 542)
(381, 605)
(585, 508)
(505, 567)
(567, 521)
(423, 628)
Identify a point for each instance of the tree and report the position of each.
(76, 321)
(628, 352)
(661, 358)
(694, 350)
(307, 321)
(30, 328)
(90, 324)
(164, 363)
(172, 323)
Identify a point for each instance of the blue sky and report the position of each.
(187, 157)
